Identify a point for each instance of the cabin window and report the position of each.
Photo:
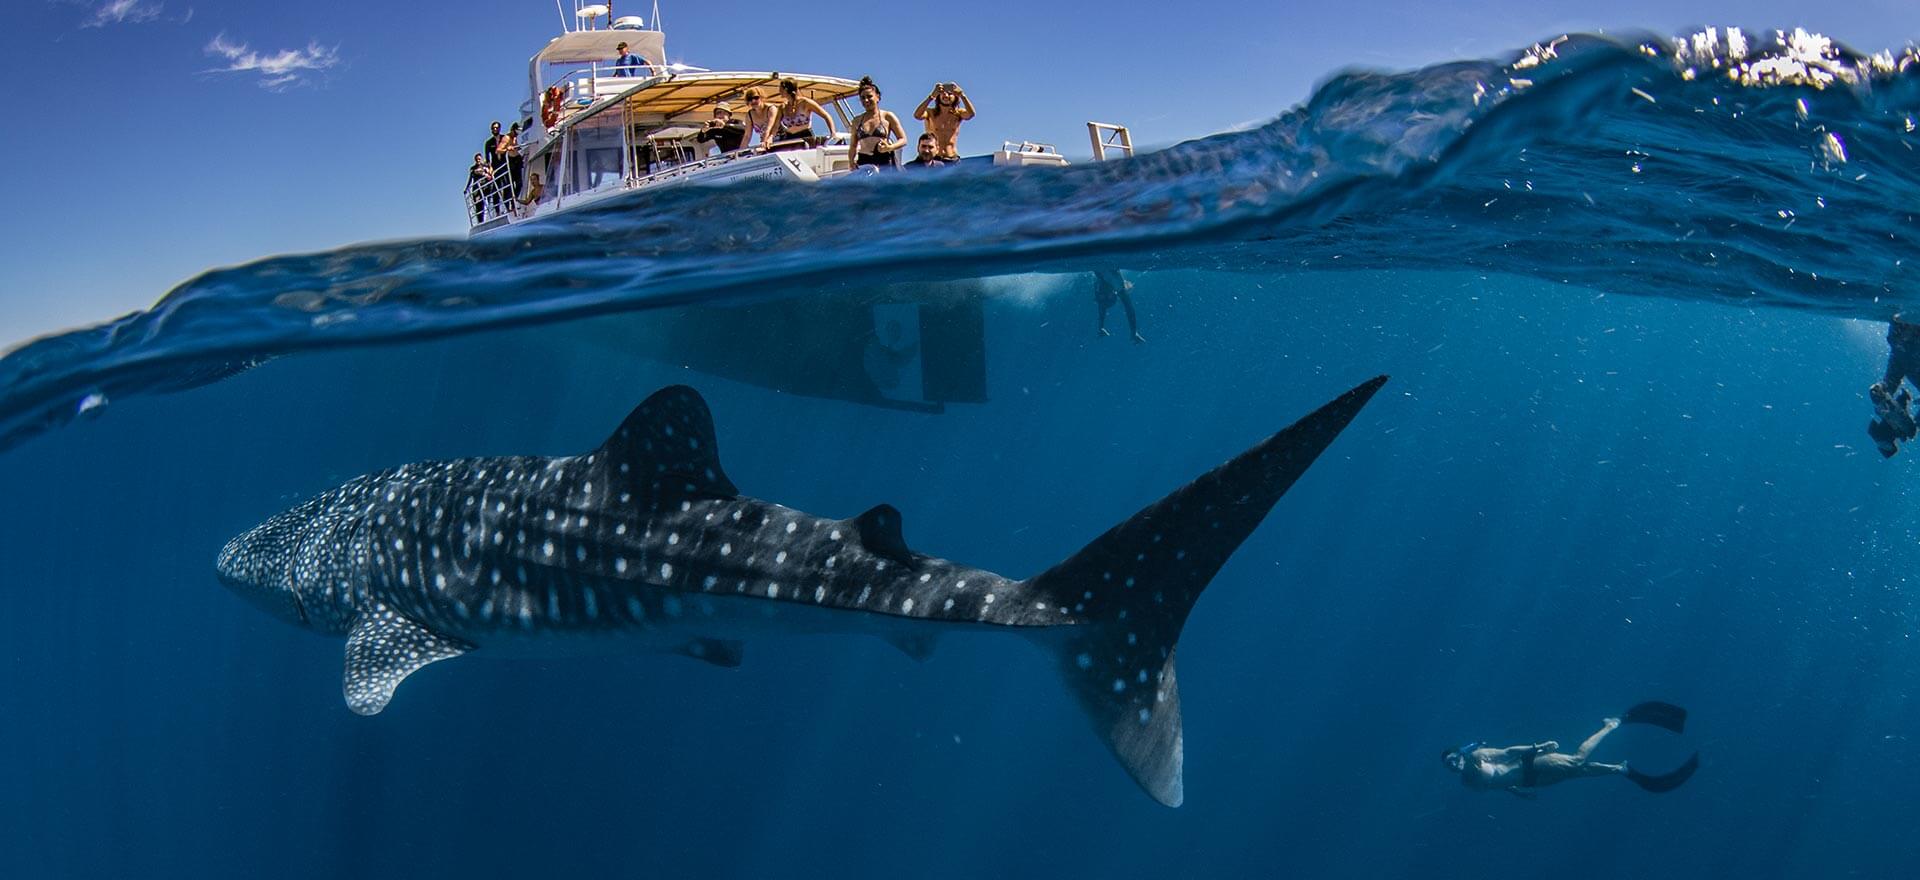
(594, 157)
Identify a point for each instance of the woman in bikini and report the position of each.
(793, 128)
(877, 134)
(759, 118)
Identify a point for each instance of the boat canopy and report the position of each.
(588, 47)
(693, 96)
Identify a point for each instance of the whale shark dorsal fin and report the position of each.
(879, 531)
(384, 648)
(666, 448)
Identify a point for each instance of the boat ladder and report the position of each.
(1109, 138)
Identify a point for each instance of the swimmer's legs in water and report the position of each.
(1593, 742)
(1108, 287)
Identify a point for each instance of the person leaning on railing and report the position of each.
(793, 122)
(479, 178)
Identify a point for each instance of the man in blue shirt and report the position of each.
(628, 64)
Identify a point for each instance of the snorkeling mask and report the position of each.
(1447, 757)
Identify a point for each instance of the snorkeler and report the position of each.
(1522, 769)
(1109, 287)
(1892, 404)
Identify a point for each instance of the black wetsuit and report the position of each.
(729, 136)
(1893, 421)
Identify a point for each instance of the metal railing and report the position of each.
(1107, 138)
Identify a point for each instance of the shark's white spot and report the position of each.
(551, 513)
(686, 506)
(989, 598)
(726, 549)
(819, 594)
(864, 593)
(405, 578)
(773, 591)
(673, 538)
(780, 557)
(926, 577)
(834, 535)
(440, 581)
(960, 586)
(1084, 661)
(1040, 605)
(1133, 639)
(593, 604)
(1142, 677)
(906, 606)
(831, 560)
(1119, 685)
(547, 548)
(620, 564)
(399, 544)
(1146, 715)
(708, 582)
(666, 570)
(580, 553)
(1129, 582)
(791, 527)
(620, 529)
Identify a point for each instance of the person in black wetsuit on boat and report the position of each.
(1893, 421)
(1109, 288)
(1523, 769)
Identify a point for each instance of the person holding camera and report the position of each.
(943, 110)
(723, 130)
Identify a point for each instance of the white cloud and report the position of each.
(277, 70)
(124, 12)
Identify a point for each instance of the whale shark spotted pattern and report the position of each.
(645, 544)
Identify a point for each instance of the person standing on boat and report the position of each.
(943, 110)
(628, 64)
(759, 117)
(723, 130)
(793, 127)
(877, 134)
(497, 163)
(479, 180)
(509, 149)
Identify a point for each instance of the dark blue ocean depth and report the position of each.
(1562, 504)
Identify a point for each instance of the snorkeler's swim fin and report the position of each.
(1665, 782)
(1666, 716)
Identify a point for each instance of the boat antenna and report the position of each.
(563, 15)
(656, 14)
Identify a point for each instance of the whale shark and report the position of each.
(644, 544)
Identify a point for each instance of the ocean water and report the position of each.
(1630, 314)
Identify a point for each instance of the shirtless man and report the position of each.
(1522, 770)
(943, 110)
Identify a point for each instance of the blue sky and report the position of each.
(165, 137)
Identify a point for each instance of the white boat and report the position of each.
(621, 130)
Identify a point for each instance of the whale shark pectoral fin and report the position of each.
(384, 648)
(666, 448)
(879, 531)
(724, 653)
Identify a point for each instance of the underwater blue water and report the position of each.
(1567, 500)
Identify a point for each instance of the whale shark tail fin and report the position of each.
(1138, 582)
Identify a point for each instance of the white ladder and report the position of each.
(1109, 138)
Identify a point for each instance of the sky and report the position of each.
(163, 138)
